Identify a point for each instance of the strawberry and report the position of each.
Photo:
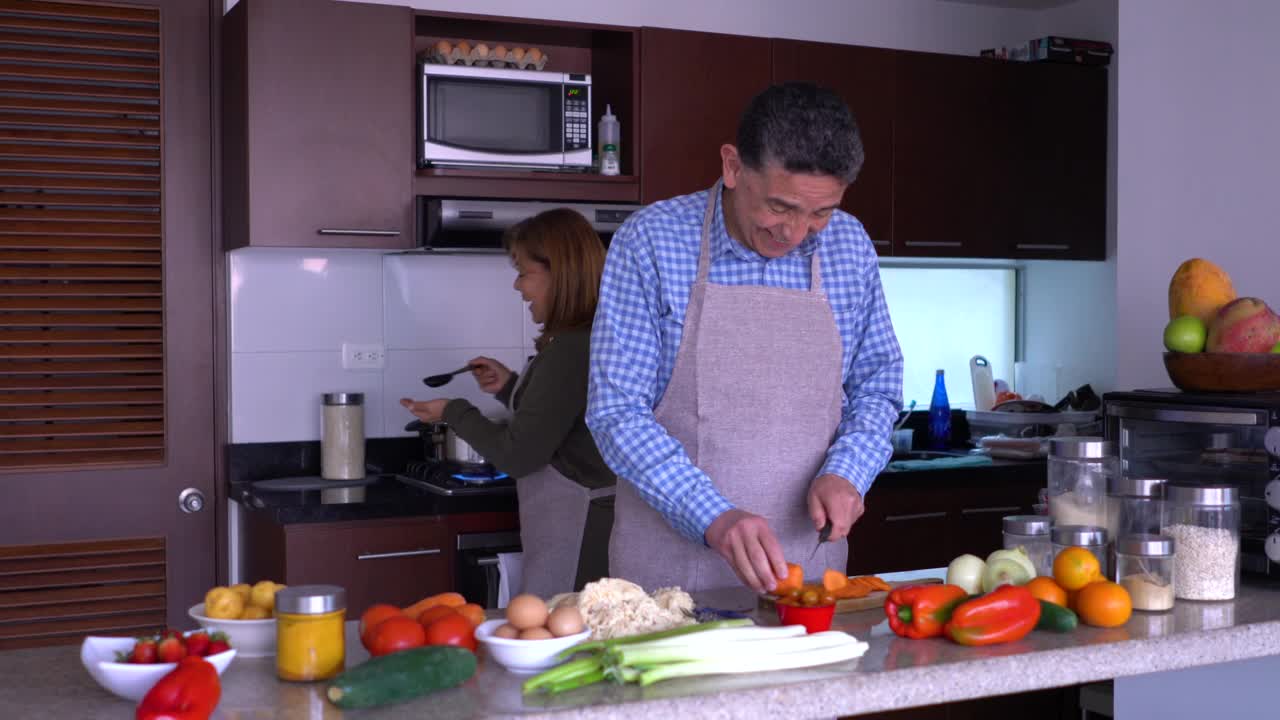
(170, 632)
(171, 649)
(198, 644)
(144, 651)
(217, 643)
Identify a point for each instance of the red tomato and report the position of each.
(434, 613)
(372, 617)
(395, 634)
(452, 630)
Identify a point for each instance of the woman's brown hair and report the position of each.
(566, 244)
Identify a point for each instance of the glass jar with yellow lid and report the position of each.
(309, 632)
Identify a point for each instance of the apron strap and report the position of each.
(704, 254)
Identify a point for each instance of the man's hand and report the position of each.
(833, 498)
(750, 547)
(428, 411)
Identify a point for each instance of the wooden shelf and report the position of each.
(521, 185)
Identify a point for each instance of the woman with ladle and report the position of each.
(546, 445)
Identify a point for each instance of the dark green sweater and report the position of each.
(548, 424)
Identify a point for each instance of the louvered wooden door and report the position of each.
(106, 316)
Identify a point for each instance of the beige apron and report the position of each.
(553, 514)
(755, 399)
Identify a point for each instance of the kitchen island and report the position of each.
(895, 673)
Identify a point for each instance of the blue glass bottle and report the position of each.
(939, 416)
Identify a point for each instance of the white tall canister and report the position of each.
(342, 436)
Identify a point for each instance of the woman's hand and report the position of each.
(490, 374)
(428, 411)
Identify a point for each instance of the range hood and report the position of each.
(448, 226)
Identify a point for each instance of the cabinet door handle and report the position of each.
(357, 231)
(1042, 246)
(880, 242)
(982, 511)
(402, 553)
(933, 243)
(915, 516)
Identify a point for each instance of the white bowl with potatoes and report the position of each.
(246, 613)
(530, 639)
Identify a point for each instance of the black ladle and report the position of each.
(438, 380)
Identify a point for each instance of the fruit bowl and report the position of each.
(253, 638)
(525, 657)
(1224, 372)
(128, 680)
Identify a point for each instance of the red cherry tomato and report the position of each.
(395, 634)
(454, 630)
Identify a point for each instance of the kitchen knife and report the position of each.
(823, 535)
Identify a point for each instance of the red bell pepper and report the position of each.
(920, 611)
(1005, 614)
(190, 692)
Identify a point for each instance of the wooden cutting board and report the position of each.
(874, 601)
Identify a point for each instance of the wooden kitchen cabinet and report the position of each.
(318, 124)
(947, 155)
(865, 78)
(693, 88)
(1055, 185)
(911, 524)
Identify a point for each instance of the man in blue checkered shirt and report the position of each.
(745, 375)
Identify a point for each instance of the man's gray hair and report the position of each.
(803, 128)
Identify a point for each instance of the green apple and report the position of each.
(1276, 349)
(1185, 333)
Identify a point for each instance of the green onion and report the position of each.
(754, 663)
(594, 645)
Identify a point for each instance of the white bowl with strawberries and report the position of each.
(128, 667)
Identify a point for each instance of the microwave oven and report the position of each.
(1208, 439)
(491, 117)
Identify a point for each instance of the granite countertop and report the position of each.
(895, 673)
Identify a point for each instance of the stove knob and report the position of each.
(1272, 441)
(1272, 494)
(1273, 547)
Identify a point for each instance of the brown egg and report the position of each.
(538, 633)
(499, 54)
(506, 630)
(534, 55)
(463, 47)
(517, 54)
(527, 611)
(444, 47)
(482, 51)
(564, 621)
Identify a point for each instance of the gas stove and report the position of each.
(453, 479)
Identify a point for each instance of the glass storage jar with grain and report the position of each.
(1205, 522)
(1144, 567)
(1089, 537)
(309, 632)
(1080, 469)
(1031, 533)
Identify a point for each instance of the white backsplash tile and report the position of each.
(406, 368)
(440, 302)
(275, 397)
(285, 300)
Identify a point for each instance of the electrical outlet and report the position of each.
(363, 357)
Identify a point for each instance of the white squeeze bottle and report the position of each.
(609, 140)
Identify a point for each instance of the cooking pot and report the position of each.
(442, 443)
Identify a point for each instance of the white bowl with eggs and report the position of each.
(525, 657)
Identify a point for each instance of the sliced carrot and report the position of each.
(851, 591)
(878, 584)
(795, 578)
(451, 599)
(833, 580)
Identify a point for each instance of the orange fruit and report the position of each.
(1044, 588)
(1075, 567)
(1104, 604)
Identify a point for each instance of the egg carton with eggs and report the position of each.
(483, 55)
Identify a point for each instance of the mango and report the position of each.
(1244, 325)
(1199, 288)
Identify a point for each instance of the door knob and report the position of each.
(191, 500)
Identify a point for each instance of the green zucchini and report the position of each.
(402, 676)
(1056, 618)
